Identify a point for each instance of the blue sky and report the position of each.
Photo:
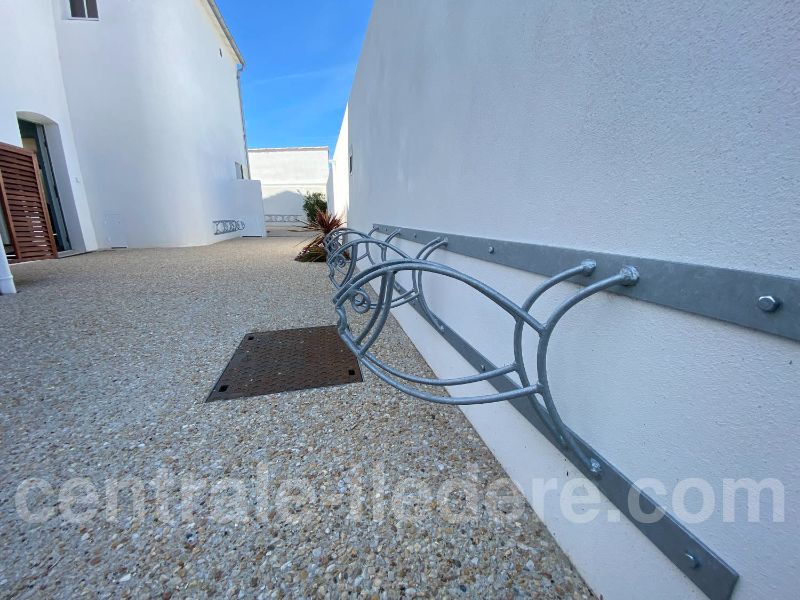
(301, 57)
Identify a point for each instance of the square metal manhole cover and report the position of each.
(268, 362)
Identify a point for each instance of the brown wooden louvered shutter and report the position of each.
(24, 206)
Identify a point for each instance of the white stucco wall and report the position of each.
(33, 89)
(154, 101)
(329, 187)
(664, 130)
(286, 174)
(141, 111)
(248, 200)
(340, 173)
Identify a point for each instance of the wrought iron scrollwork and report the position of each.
(381, 262)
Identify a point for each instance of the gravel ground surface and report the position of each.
(353, 490)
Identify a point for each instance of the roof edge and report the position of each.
(289, 149)
(215, 9)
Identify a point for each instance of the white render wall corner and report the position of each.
(340, 172)
(329, 187)
(664, 130)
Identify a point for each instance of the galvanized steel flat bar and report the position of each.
(708, 571)
(768, 303)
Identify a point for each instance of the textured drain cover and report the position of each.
(269, 362)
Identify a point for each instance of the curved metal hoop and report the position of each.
(228, 226)
(372, 287)
(347, 247)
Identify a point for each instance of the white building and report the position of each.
(138, 105)
(286, 174)
(644, 129)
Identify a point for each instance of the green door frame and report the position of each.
(29, 129)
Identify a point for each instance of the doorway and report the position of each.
(34, 138)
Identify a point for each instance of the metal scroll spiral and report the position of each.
(358, 262)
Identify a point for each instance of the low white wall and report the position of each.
(248, 198)
(664, 130)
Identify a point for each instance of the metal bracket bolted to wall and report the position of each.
(359, 262)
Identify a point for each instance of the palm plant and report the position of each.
(323, 223)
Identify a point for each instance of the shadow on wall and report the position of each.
(283, 204)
